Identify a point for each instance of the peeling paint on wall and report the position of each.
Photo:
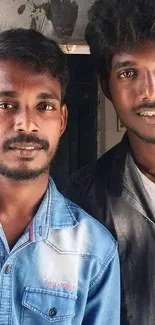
(63, 20)
(21, 9)
(38, 7)
(63, 14)
(33, 24)
(34, 8)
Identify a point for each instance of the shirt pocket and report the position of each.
(41, 306)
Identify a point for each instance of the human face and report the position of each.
(32, 120)
(132, 88)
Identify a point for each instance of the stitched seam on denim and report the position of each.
(62, 225)
(20, 247)
(2, 278)
(10, 292)
(22, 314)
(72, 219)
(13, 265)
(40, 313)
(103, 268)
(70, 211)
(74, 207)
(50, 292)
(97, 278)
(71, 252)
(48, 211)
(60, 251)
(86, 256)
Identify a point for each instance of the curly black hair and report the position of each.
(115, 26)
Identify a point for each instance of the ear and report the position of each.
(64, 118)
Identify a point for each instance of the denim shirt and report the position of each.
(63, 270)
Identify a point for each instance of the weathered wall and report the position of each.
(108, 134)
(63, 20)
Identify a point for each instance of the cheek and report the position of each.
(53, 131)
(123, 97)
(5, 129)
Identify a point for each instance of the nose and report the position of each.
(26, 121)
(147, 87)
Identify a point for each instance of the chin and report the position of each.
(23, 174)
(148, 138)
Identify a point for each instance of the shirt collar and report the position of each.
(53, 212)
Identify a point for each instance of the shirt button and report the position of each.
(52, 312)
(7, 269)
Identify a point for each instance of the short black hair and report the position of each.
(36, 51)
(115, 26)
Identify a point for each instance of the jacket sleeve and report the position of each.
(103, 303)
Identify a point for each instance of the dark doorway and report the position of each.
(78, 145)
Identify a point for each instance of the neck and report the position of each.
(21, 194)
(19, 201)
(143, 154)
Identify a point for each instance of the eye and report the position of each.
(6, 106)
(46, 107)
(127, 74)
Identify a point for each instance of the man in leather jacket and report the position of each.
(119, 189)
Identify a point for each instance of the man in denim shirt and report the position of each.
(58, 264)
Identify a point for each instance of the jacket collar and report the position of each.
(110, 168)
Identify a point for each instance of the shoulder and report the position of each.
(95, 239)
(82, 182)
(104, 163)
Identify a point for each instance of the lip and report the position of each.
(149, 120)
(25, 146)
(146, 112)
(26, 152)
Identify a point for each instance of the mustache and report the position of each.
(144, 105)
(25, 138)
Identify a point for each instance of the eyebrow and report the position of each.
(8, 93)
(48, 96)
(124, 64)
(14, 94)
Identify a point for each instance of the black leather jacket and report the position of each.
(113, 193)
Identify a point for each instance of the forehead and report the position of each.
(144, 53)
(20, 77)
